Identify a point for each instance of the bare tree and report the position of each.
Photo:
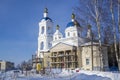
(101, 14)
(108, 35)
(114, 30)
(119, 32)
(91, 12)
(97, 18)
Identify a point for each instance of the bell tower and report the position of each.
(45, 34)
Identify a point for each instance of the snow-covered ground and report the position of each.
(64, 74)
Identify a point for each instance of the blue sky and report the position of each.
(19, 25)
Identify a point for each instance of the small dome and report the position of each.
(57, 35)
(57, 31)
(47, 18)
(73, 24)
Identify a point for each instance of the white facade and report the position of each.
(48, 39)
(45, 34)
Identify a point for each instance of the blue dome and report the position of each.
(72, 24)
(47, 18)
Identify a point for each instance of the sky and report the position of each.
(19, 25)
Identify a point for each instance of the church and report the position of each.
(70, 51)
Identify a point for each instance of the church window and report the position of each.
(48, 29)
(74, 34)
(87, 61)
(68, 34)
(42, 46)
(42, 30)
(55, 38)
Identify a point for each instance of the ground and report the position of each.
(58, 74)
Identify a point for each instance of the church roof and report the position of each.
(47, 18)
(94, 43)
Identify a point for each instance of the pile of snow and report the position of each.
(66, 73)
(84, 75)
(110, 75)
(61, 74)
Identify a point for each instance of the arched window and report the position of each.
(68, 34)
(42, 30)
(55, 38)
(48, 30)
(74, 34)
(42, 46)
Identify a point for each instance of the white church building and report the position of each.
(70, 51)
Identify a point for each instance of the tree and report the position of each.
(108, 35)
(93, 12)
(119, 31)
(25, 65)
(114, 28)
(100, 14)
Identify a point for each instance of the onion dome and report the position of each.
(57, 31)
(89, 26)
(57, 27)
(57, 35)
(73, 22)
(45, 10)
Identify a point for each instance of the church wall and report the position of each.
(47, 60)
(105, 58)
(83, 57)
(86, 54)
(79, 57)
(93, 61)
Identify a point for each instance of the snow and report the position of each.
(61, 74)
